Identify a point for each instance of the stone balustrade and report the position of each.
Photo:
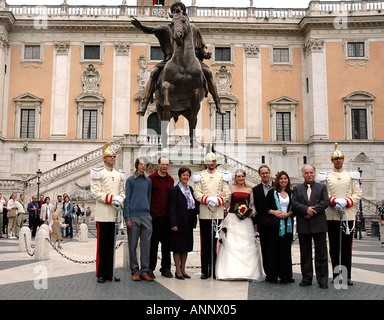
(124, 12)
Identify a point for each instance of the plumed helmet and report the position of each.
(107, 150)
(210, 156)
(337, 154)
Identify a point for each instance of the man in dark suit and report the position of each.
(259, 193)
(309, 202)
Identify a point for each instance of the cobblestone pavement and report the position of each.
(22, 277)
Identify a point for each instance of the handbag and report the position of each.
(11, 213)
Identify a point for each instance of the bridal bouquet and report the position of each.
(242, 211)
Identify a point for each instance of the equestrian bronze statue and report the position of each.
(181, 80)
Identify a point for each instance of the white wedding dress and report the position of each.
(239, 252)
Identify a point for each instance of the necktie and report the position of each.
(309, 190)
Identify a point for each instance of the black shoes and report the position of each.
(102, 280)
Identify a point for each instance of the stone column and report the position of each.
(252, 92)
(4, 45)
(60, 90)
(317, 113)
(121, 90)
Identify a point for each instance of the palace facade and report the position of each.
(293, 82)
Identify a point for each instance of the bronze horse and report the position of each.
(181, 84)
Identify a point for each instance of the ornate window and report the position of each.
(224, 127)
(358, 109)
(32, 52)
(92, 52)
(27, 127)
(356, 53)
(27, 116)
(153, 123)
(223, 54)
(90, 106)
(156, 54)
(283, 119)
(89, 124)
(280, 56)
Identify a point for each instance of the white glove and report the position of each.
(212, 201)
(342, 202)
(117, 200)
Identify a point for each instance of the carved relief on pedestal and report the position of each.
(142, 77)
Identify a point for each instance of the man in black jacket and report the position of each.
(309, 202)
(259, 193)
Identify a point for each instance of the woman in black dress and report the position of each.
(183, 209)
(279, 221)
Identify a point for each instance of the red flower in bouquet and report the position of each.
(242, 211)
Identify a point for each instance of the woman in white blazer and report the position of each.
(46, 211)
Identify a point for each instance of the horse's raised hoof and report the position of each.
(220, 110)
(141, 111)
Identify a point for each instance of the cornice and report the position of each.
(341, 22)
(7, 19)
(262, 27)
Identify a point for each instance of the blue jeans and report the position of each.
(69, 229)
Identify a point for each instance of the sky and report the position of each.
(201, 3)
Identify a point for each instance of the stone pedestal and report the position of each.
(83, 234)
(42, 245)
(24, 239)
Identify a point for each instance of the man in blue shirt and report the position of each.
(138, 219)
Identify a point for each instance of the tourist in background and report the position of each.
(46, 211)
(12, 208)
(183, 210)
(68, 209)
(55, 226)
(59, 208)
(279, 221)
(381, 224)
(33, 215)
(358, 225)
(88, 213)
(3, 206)
(20, 214)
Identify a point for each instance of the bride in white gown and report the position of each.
(239, 253)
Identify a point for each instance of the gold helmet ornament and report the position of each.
(107, 150)
(210, 156)
(337, 154)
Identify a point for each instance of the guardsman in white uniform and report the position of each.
(211, 189)
(344, 194)
(107, 187)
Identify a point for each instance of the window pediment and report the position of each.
(359, 96)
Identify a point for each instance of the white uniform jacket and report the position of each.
(342, 184)
(104, 185)
(211, 185)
